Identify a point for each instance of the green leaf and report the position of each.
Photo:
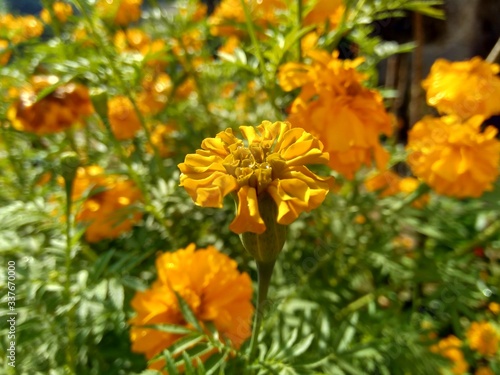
(170, 363)
(302, 345)
(170, 328)
(116, 293)
(187, 313)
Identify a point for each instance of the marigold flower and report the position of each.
(483, 338)
(161, 137)
(323, 11)
(66, 105)
(450, 347)
(107, 208)
(494, 308)
(209, 282)
(272, 162)
(20, 29)
(120, 12)
(61, 10)
(464, 88)
(333, 105)
(230, 13)
(123, 118)
(454, 158)
(156, 91)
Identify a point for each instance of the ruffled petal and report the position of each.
(248, 217)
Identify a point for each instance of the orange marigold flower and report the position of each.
(387, 182)
(156, 91)
(131, 40)
(123, 118)
(66, 105)
(61, 10)
(20, 29)
(409, 185)
(454, 158)
(483, 338)
(494, 307)
(322, 11)
(450, 347)
(333, 105)
(209, 282)
(161, 137)
(464, 88)
(271, 163)
(107, 207)
(120, 12)
(230, 13)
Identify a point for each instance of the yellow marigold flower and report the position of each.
(20, 29)
(484, 371)
(120, 12)
(107, 209)
(322, 11)
(409, 185)
(209, 282)
(61, 10)
(55, 112)
(333, 86)
(450, 347)
(161, 137)
(230, 13)
(131, 40)
(465, 88)
(230, 45)
(184, 90)
(271, 162)
(5, 52)
(123, 118)
(483, 338)
(454, 158)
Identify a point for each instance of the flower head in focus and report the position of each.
(66, 105)
(107, 205)
(334, 105)
(454, 158)
(483, 338)
(464, 88)
(451, 348)
(123, 118)
(209, 282)
(270, 163)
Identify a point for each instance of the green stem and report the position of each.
(70, 348)
(264, 273)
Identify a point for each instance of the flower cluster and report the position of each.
(334, 105)
(453, 157)
(61, 10)
(272, 162)
(66, 105)
(451, 348)
(212, 286)
(483, 338)
(107, 206)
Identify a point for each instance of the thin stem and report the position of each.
(264, 273)
(70, 349)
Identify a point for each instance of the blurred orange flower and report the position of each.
(483, 338)
(120, 12)
(334, 105)
(464, 88)
(450, 347)
(5, 52)
(61, 10)
(106, 207)
(123, 118)
(66, 105)
(161, 137)
(271, 163)
(20, 29)
(321, 11)
(156, 89)
(454, 158)
(209, 282)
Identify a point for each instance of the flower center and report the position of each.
(255, 165)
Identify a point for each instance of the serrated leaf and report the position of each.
(302, 345)
(170, 363)
(188, 363)
(186, 342)
(187, 313)
(170, 328)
